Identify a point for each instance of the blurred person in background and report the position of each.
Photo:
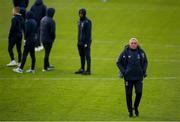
(47, 36)
(39, 10)
(15, 36)
(22, 4)
(84, 42)
(29, 45)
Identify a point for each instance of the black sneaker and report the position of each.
(80, 71)
(136, 111)
(86, 73)
(130, 114)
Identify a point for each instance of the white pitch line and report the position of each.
(88, 79)
(115, 59)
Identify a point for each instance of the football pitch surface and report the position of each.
(62, 95)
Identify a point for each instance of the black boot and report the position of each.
(80, 71)
(136, 111)
(86, 73)
(130, 114)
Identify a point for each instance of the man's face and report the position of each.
(133, 44)
(80, 15)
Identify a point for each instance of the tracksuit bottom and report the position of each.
(85, 55)
(138, 90)
(37, 37)
(47, 48)
(28, 49)
(12, 42)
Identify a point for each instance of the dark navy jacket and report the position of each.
(84, 32)
(21, 3)
(132, 64)
(30, 29)
(48, 27)
(39, 10)
(16, 26)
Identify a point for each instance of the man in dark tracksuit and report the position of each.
(23, 4)
(15, 36)
(30, 29)
(84, 42)
(133, 64)
(39, 10)
(47, 36)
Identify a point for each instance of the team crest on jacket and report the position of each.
(138, 56)
(143, 55)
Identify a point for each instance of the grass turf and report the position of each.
(62, 95)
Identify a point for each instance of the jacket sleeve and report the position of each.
(26, 3)
(88, 28)
(13, 27)
(53, 30)
(44, 10)
(14, 3)
(121, 63)
(144, 63)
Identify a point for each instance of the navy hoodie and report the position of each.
(132, 64)
(30, 29)
(21, 3)
(16, 29)
(48, 27)
(39, 10)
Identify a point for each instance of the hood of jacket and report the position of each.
(38, 2)
(29, 15)
(50, 12)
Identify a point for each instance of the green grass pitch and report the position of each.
(62, 95)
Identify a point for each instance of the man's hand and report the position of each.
(121, 75)
(85, 45)
(145, 75)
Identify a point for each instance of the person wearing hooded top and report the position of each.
(15, 36)
(39, 10)
(132, 64)
(23, 4)
(29, 47)
(84, 42)
(47, 36)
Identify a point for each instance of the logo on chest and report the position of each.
(82, 25)
(138, 56)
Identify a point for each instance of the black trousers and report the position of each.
(28, 49)
(37, 37)
(85, 55)
(12, 42)
(23, 14)
(47, 48)
(129, 88)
